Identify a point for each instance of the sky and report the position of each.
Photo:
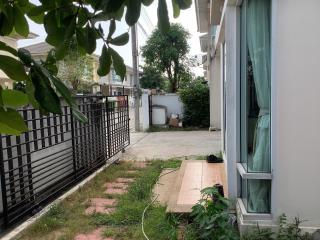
(187, 19)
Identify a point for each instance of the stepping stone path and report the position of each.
(94, 235)
(115, 191)
(139, 164)
(125, 180)
(101, 205)
(117, 187)
(107, 206)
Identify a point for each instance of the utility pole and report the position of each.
(136, 85)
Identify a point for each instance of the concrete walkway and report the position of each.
(165, 145)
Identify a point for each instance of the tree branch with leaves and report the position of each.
(63, 20)
(168, 53)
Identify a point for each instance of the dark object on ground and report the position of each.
(219, 187)
(316, 235)
(214, 159)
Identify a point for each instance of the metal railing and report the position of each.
(57, 152)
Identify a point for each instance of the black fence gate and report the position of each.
(57, 152)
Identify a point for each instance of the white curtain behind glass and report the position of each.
(258, 40)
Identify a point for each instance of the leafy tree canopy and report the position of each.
(168, 54)
(195, 98)
(76, 68)
(63, 20)
(152, 78)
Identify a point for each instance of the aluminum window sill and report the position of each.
(250, 175)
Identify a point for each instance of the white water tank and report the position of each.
(159, 115)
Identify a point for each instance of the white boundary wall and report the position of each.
(171, 101)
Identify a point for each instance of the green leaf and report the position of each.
(63, 90)
(14, 98)
(12, 68)
(112, 6)
(118, 63)
(11, 122)
(20, 23)
(51, 59)
(6, 21)
(70, 29)
(25, 56)
(133, 11)
(44, 94)
(5, 47)
(184, 4)
(50, 23)
(112, 28)
(30, 90)
(120, 40)
(78, 115)
(88, 39)
(48, 3)
(104, 62)
(147, 2)
(100, 17)
(66, 94)
(83, 16)
(54, 39)
(176, 8)
(81, 40)
(22, 3)
(36, 11)
(163, 18)
(50, 63)
(61, 51)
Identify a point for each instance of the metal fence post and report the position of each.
(3, 187)
(73, 144)
(128, 118)
(108, 127)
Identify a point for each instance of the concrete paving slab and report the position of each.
(193, 176)
(162, 190)
(165, 145)
(94, 235)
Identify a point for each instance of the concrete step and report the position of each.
(163, 188)
(192, 177)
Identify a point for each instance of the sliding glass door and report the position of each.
(255, 103)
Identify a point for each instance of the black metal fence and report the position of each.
(58, 152)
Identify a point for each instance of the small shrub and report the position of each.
(195, 99)
(211, 220)
(286, 231)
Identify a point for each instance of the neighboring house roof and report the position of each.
(43, 48)
(19, 37)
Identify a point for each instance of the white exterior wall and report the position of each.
(295, 110)
(215, 93)
(232, 99)
(144, 112)
(171, 101)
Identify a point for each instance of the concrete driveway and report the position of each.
(164, 145)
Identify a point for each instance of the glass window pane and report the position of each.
(255, 85)
(256, 195)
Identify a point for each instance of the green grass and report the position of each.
(67, 219)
